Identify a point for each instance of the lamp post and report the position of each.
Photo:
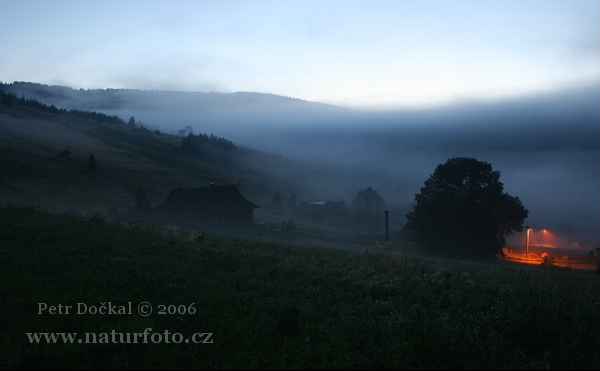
(527, 242)
(543, 235)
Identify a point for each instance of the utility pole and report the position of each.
(387, 227)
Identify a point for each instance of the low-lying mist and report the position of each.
(546, 146)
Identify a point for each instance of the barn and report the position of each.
(216, 206)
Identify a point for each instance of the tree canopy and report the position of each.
(277, 200)
(463, 210)
(367, 203)
(201, 143)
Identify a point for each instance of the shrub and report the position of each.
(288, 227)
(548, 261)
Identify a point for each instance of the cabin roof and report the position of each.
(224, 197)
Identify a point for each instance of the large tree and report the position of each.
(367, 206)
(463, 210)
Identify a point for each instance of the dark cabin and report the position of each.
(216, 206)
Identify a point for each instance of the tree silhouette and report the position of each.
(92, 163)
(463, 210)
(292, 200)
(277, 200)
(367, 203)
(131, 122)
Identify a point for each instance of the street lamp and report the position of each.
(543, 235)
(527, 242)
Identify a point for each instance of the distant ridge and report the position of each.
(116, 98)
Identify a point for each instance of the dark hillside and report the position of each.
(45, 157)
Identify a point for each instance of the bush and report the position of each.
(288, 227)
(548, 261)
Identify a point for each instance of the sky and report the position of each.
(363, 54)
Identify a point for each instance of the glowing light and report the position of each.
(527, 243)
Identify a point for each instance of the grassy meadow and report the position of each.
(279, 305)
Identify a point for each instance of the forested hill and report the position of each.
(112, 99)
(10, 99)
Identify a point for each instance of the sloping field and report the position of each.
(274, 305)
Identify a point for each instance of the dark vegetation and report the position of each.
(210, 147)
(367, 206)
(12, 99)
(463, 211)
(273, 305)
(287, 227)
(277, 200)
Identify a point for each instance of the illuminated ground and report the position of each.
(562, 257)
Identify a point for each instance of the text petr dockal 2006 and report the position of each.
(108, 308)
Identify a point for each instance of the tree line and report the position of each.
(196, 143)
(211, 147)
(12, 99)
(202, 144)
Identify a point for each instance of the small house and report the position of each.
(323, 210)
(216, 206)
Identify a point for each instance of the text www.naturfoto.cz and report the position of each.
(114, 337)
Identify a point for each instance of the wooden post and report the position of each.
(387, 227)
